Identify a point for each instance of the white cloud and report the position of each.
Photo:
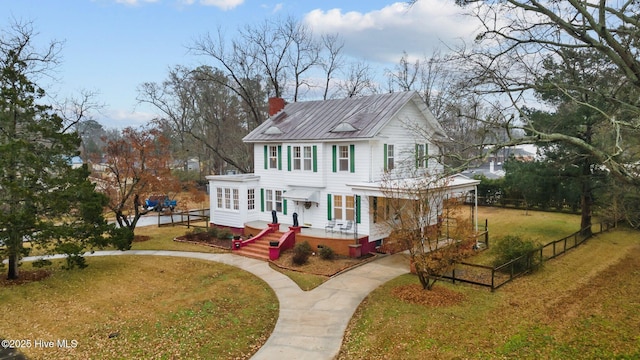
(120, 118)
(382, 35)
(222, 4)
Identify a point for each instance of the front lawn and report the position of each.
(126, 307)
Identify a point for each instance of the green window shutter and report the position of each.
(426, 155)
(358, 202)
(262, 200)
(284, 206)
(329, 206)
(314, 154)
(335, 159)
(279, 157)
(352, 157)
(384, 157)
(266, 157)
(288, 158)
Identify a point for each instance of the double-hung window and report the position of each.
(227, 198)
(307, 158)
(219, 197)
(422, 156)
(251, 199)
(273, 200)
(343, 158)
(273, 157)
(390, 161)
(297, 158)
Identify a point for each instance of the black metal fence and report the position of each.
(495, 277)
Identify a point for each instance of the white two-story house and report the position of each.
(324, 161)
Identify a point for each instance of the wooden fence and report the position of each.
(188, 218)
(495, 277)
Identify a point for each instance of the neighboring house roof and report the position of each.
(486, 170)
(351, 118)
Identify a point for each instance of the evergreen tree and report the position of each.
(42, 199)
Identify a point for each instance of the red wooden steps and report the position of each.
(260, 248)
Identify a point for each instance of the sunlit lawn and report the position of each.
(158, 307)
(583, 304)
(154, 307)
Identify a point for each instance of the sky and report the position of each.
(113, 46)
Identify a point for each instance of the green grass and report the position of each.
(305, 281)
(160, 307)
(161, 238)
(581, 305)
(535, 225)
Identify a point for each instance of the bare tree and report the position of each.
(428, 221)
(405, 75)
(517, 40)
(303, 54)
(332, 46)
(358, 80)
(242, 73)
(174, 99)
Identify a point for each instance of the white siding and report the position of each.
(368, 167)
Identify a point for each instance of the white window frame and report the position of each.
(307, 158)
(344, 207)
(273, 157)
(236, 199)
(227, 198)
(274, 200)
(422, 156)
(268, 200)
(390, 157)
(343, 158)
(251, 199)
(297, 158)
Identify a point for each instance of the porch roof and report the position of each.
(457, 183)
(302, 194)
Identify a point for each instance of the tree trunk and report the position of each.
(12, 274)
(586, 200)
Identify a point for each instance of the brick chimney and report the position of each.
(275, 105)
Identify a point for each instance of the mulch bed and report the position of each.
(141, 238)
(318, 266)
(26, 276)
(205, 240)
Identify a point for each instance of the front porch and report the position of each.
(342, 243)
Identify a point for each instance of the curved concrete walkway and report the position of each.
(311, 324)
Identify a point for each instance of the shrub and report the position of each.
(513, 247)
(213, 232)
(194, 234)
(40, 263)
(225, 234)
(301, 253)
(327, 253)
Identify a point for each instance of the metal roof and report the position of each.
(351, 118)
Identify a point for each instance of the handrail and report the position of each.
(286, 241)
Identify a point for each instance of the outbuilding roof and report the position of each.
(350, 118)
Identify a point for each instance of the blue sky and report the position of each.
(113, 46)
